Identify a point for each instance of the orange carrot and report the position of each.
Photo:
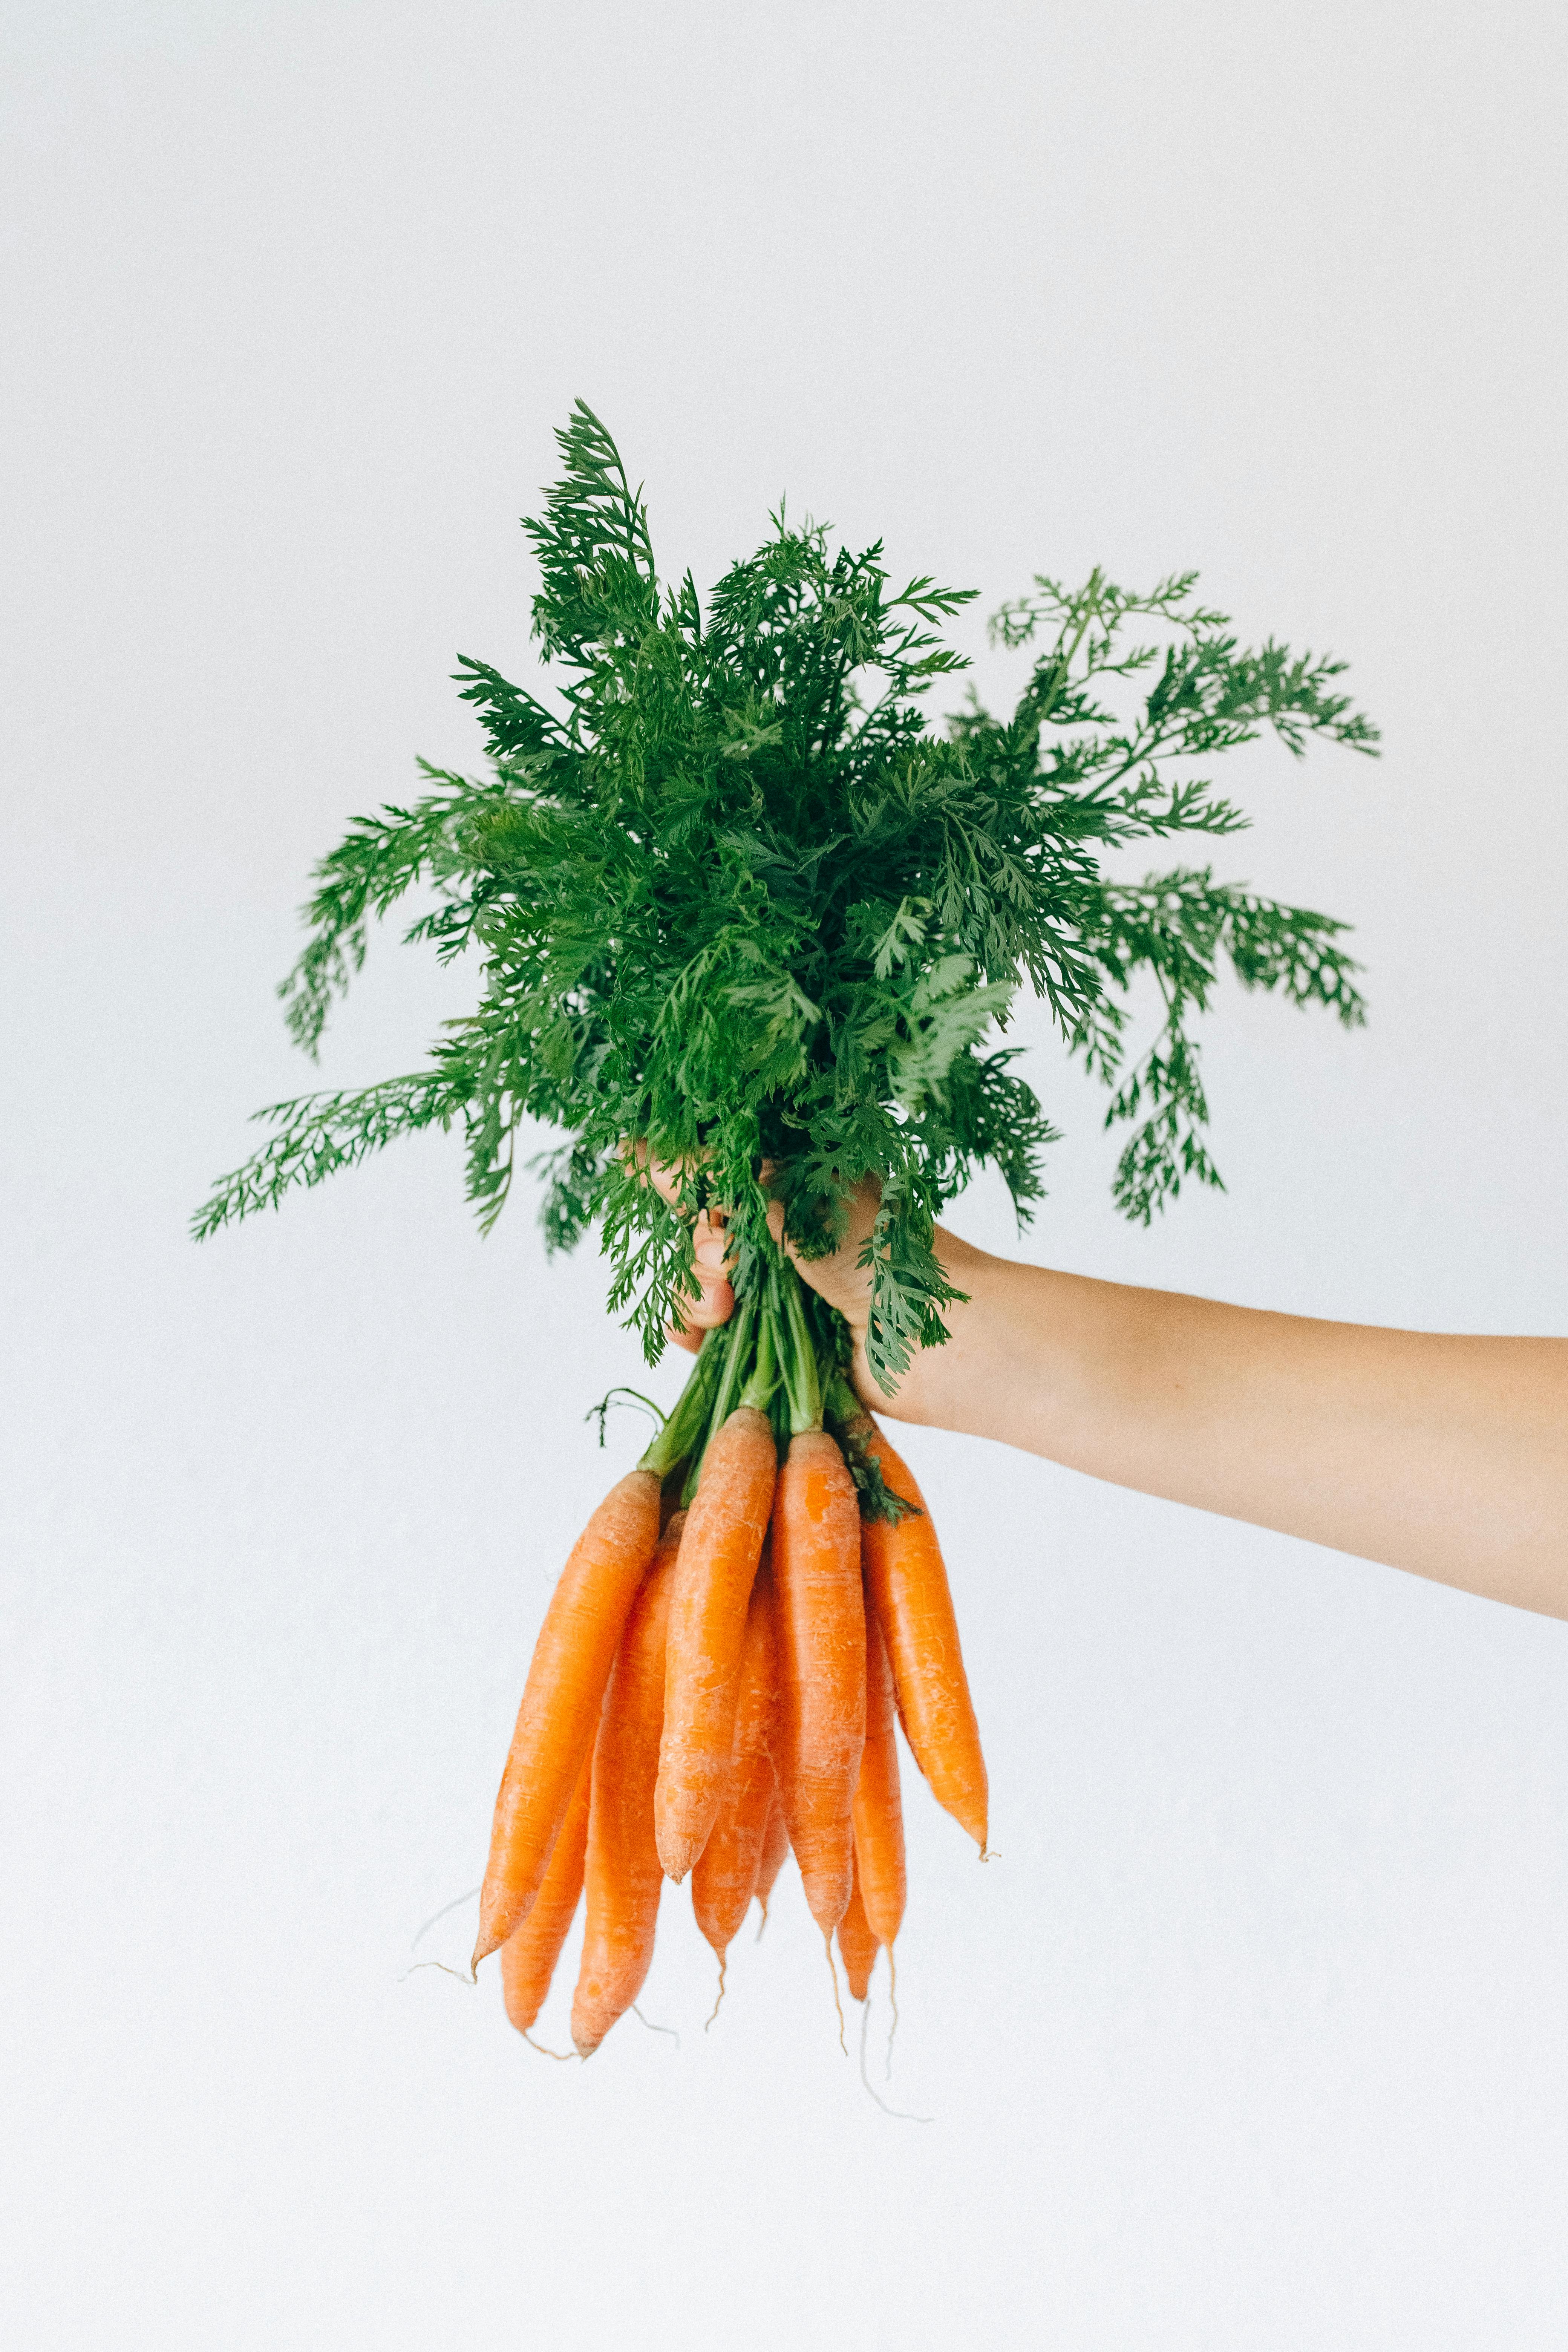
(725, 1875)
(909, 1587)
(708, 1621)
(560, 1711)
(856, 1944)
(775, 1854)
(821, 1617)
(622, 1877)
(529, 1954)
(879, 1811)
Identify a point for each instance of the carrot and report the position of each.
(857, 1943)
(909, 1587)
(879, 1811)
(622, 1875)
(725, 1875)
(560, 1709)
(529, 1954)
(708, 1624)
(821, 1619)
(775, 1855)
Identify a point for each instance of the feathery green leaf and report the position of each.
(736, 896)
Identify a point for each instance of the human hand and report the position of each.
(839, 1277)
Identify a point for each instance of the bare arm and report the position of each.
(1444, 1456)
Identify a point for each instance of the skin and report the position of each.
(1445, 1456)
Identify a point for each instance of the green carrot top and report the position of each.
(731, 890)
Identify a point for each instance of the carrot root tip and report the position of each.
(676, 1855)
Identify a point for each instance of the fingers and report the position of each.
(710, 1263)
(663, 1175)
(714, 1306)
(716, 1300)
(839, 1277)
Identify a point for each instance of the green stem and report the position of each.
(685, 1425)
(1064, 661)
(764, 1380)
(740, 1330)
(743, 1324)
(840, 1402)
(802, 1382)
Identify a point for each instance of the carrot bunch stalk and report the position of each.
(708, 1617)
(775, 1854)
(908, 1587)
(822, 1667)
(529, 1954)
(857, 1945)
(878, 1806)
(557, 1718)
(727, 1872)
(706, 1699)
(622, 1880)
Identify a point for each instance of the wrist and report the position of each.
(949, 1386)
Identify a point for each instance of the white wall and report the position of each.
(1252, 2036)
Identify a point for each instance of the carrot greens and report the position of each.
(731, 890)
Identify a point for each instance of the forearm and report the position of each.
(1447, 1456)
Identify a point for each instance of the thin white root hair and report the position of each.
(456, 1905)
(653, 2028)
(565, 2056)
(837, 2004)
(893, 2003)
(464, 1976)
(898, 2114)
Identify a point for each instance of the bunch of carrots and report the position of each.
(717, 1678)
(735, 895)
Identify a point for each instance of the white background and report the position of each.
(1252, 2036)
